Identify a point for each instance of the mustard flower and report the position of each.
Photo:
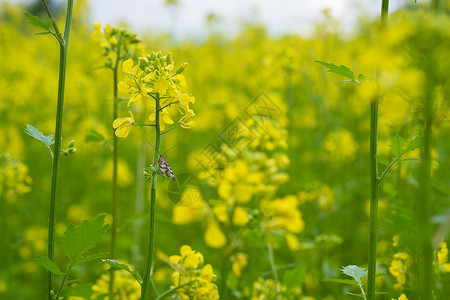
(442, 258)
(199, 279)
(399, 268)
(123, 126)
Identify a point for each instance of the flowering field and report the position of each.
(252, 167)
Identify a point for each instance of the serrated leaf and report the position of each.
(49, 264)
(343, 281)
(115, 265)
(91, 257)
(397, 145)
(339, 70)
(355, 272)
(415, 143)
(34, 132)
(383, 160)
(294, 277)
(77, 240)
(36, 21)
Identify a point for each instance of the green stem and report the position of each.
(173, 290)
(114, 179)
(373, 218)
(58, 130)
(424, 200)
(373, 198)
(144, 291)
(63, 281)
(273, 268)
(388, 168)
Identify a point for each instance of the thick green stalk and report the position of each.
(58, 130)
(373, 218)
(114, 179)
(148, 267)
(424, 200)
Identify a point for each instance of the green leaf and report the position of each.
(36, 21)
(383, 160)
(295, 277)
(356, 295)
(94, 136)
(49, 264)
(115, 265)
(339, 70)
(91, 257)
(415, 143)
(355, 272)
(343, 281)
(410, 159)
(83, 290)
(47, 140)
(78, 240)
(397, 145)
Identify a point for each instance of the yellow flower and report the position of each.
(239, 262)
(123, 126)
(284, 214)
(97, 34)
(214, 237)
(442, 257)
(240, 216)
(164, 118)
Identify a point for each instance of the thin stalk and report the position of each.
(273, 268)
(63, 281)
(373, 218)
(145, 285)
(424, 200)
(58, 130)
(173, 290)
(114, 179)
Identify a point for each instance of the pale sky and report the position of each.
(188, 18)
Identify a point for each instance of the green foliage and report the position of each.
(47, 140)
(295, 277)
(78, 240)
(342, 71)
(355, 272)
(38, 22)
(115, 265)
(49, 265)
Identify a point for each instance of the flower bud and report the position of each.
(181, 68)
(143, 62)
(147, 70)
(72, 150)
(71, 143)
(152, 56)
(169, 58)
(158, 54)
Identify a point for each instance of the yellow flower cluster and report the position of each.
(339, 145)
(317, 191)
(14, 178)
(113, 38)
(125, 286)
(197, 279)
(239, 262)
(264, 289)
(399, 268)
(442, 258)
(402, 297)
(154, 76)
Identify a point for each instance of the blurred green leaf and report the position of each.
(356, 295)
(355, 272)
(77, 240)
(294, 277)
(83, 290)
(115, 265)
(343, 281)
(49, 265)
(94, 257)
(339, 70)
(417, 142)
(36, 21)
(397, 145)
(94, 136)
(383, 160)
